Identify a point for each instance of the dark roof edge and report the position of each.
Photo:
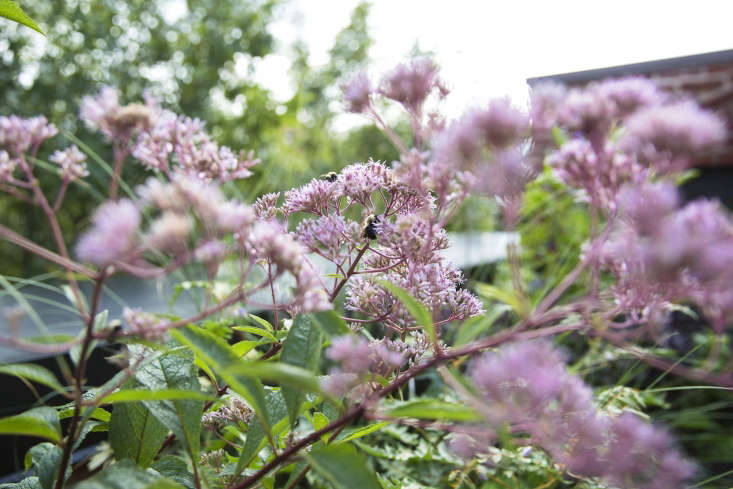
(716, 57)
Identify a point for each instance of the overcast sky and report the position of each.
(488, 48)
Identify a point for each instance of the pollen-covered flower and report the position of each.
(72, 163)
(114, 227)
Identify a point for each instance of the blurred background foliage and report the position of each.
(200, 58)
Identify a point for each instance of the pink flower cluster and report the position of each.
(359, 360)
(620, 131)
(405, 251)
(71, 163)
(193, 220)
(113, 234)
(19, 135)
(161, 138)
(660, 253)
(526, 386)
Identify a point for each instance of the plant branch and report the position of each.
(74, 425)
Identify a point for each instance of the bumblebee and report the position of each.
(330, 176)
(369, 226)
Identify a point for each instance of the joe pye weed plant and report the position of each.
(373, 305)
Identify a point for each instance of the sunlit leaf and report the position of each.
(11, 10)
(302, 349)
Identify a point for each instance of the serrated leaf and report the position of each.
(135, 433)
(275, 404)
(433, 409)
(222, 358)
(343, 467)
(175, 371)
(27, 483)
(422, 316)
(33, 372)
(175, 469)
(330, 323)
(42, 422)
(45, 459)
(302, 348)
(126, 475)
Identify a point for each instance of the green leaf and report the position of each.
(134, 395)
(281, 373)
(27, 483)
(126, 475)
(491, 292)
(343, 467)
(297, 469)
(241, 348)
(97, 413)
(559, 136)
(222, 358)
(330, 323)
(256, 331)
(302, 348)
(11, 10)
(176, 469)
(135, 433)
(261, 322)
(175, 370)
(414, 307)
(360, 432)
(275, 405)
(474, 327)
(42, 422)
(434, 409)
(187, 285)
(45, 459)
(35, 373)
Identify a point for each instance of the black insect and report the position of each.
(330, 176)
(369, 226)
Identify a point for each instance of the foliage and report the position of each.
(369, 363)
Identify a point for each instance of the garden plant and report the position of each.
(334, 344)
